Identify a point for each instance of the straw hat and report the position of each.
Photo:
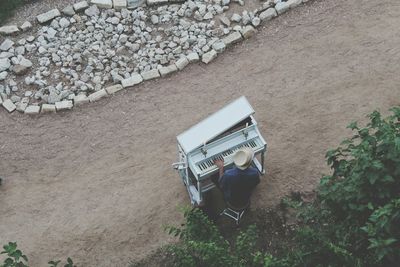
(243, 158)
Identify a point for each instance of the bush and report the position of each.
(203, 245)
(354, 219)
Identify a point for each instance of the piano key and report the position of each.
(226, 156)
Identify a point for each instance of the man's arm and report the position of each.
(220, 165)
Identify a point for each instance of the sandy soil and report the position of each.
(96, 183)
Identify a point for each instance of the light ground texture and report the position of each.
(96, 184)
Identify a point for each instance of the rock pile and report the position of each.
(76, 58)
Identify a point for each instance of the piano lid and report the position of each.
(215, 124)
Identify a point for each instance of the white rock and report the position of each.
(64, 23)
(256, 21)
(209, 56)
(113, 89)
(156, 2)
(208, 16)
(219, 46)
(248, 32)
(164, 71)
(81, 99)
(7, 44)
(48, 108)
(15, 98)
(224, 20)
(32, 110)
(26, 26)
(232, 38)
(92, 11)
(119, 4)
(51, 33)
(268, 14)
(267, 4)
(246, 17)
(123, 38)
(102, 3)
(151, 74)
(68, 10)
(9, 105)
(20, 50)
(182, 63)
(24, 62)
(9, 29)
(5, 64)
(236, 18)
(282, 7)
(42, 50)
(114, 20)
(81, 6)
(49, 15)
(193, 57)
(133, 80)
(294, 3)
(135, 3)
(154, 19)
(97, 95)
(6, 54)
(23, 104)
(64, 105)
(30, 38)
(3, 75)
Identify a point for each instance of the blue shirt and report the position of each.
(237, 185)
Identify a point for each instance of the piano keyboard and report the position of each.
(226, 156)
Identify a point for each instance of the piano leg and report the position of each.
(262, 162)
(258, 165)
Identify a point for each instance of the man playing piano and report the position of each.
(238, 182)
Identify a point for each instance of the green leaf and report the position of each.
(9, 261)
(352, 125)
(25, 258)
(397, 143)
(54, 263)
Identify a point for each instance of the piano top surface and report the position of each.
(215, 124)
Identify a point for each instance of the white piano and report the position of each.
(217, 137)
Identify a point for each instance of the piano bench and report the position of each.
(235, 213)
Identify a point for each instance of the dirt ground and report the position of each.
(96, 183)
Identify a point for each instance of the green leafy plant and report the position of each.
(355, 216)
(69, 263)
(15, 257)
(202, 244)
(383, 232)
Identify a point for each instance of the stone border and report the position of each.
(272, 10)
